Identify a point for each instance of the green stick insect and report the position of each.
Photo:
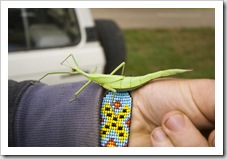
(113, 82)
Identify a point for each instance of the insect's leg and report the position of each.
(71, 55)
(78, 92)
(109, 88)
(112, 102)
(118, 67)
(112, 90)
(94, 71)
(66, 59)
(51, 73)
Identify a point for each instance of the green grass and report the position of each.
(151, 50)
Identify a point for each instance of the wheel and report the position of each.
(112, 40)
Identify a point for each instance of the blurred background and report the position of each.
(148, 40)
(166, 38)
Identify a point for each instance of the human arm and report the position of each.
(42, 116)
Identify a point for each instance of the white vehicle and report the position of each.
(40, 39)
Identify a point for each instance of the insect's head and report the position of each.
(77, 69)
(73, 70)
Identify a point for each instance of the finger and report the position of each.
(159, 138)
(181, 131)
(192, 97)
(211, 139)
(202, 92)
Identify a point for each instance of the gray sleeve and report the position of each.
(45, 118)
(15, 91)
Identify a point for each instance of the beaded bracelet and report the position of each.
(115, 119)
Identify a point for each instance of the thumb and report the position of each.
(181, 131)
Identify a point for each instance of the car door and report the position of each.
(39, 39)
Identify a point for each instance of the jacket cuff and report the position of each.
(15, 91)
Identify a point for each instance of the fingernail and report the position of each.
(158, 135)
(175, 122)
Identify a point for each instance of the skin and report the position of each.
(172, 112)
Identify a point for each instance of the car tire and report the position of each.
(112, 40)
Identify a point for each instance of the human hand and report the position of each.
(173, 112)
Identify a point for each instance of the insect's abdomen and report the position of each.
(129, 83)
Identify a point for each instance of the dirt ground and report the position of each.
(158, 18)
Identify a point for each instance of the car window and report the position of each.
(39, 28)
